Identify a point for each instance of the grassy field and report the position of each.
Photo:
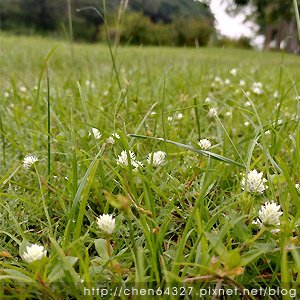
(191, 220)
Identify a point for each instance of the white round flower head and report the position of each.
(218, 79)
(97, 134)
(106, 223)
(247, 103)
(29, 160)
(179, 116)
(112, 138)
(242, 82)
(269, 214)
(157, 158)
(257, 88)
(34, 252)
(227, 81)
(246, 123)
(254, 182)
(212, 112)
(6, 94)
(23, 89)
(233, 72)
(207, 100)
(297, 186)
(123, 159)
(204, 144)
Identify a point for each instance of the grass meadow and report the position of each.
(195, 218)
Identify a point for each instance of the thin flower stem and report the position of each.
(108, 247)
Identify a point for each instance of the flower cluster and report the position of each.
(269, 215)
(156, 158)
(29, 160)
(114, 136)
(106, 223)
(204, 144)
(34, 252)
(254, 182)
(97, 134)
(123, 159)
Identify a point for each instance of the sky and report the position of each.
(233, 27)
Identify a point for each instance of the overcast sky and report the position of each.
(231, 26)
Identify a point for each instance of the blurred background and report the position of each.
(265, 24)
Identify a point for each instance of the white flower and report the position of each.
(228, 114)
(34, 252)
(269, 215)
(207, 100)
(106, 223)
(257, 88)
(227, 81)
(6, 94)
(97, 134)
(219, 80)
(114, 136)
(212, 112)
(242, 82)
(123, 159)
(276, 94)
(23, 89)
(246, 124)
(157, 158)
(170, 119)
(179, 116)
(29, 160)
(247, 103)
(233, 72)
(297, 97)
(254, 182)
(87, 82)
(204, 144)
(297, 187)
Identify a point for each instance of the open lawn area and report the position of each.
(173, 169)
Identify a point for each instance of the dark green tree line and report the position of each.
(155, 18)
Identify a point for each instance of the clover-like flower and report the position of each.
(204, 144)
(157, 158)
(34, 252)
(254, 182)
(269, 215)
(123, 159)
(97, 134)
(29, 160)
(114, 136)
(106, 223)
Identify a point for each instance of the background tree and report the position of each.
(277, 22)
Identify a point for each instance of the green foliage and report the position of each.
(138, 29)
